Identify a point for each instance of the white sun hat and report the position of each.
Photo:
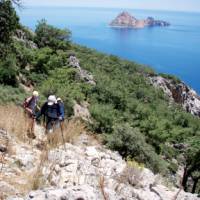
(35, 93)
(51, 100)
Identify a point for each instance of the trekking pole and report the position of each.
(61, 128)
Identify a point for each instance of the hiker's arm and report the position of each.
(38, 107)
(61, 112)
(41, 112)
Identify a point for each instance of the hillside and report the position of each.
(122, 102)
(82, 169)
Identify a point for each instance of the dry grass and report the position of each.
(37, 180)
(71, 130)
(102, 187)
(13, 120)
(132, 174)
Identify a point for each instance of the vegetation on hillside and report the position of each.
(133, 117)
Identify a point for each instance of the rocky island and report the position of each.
(126, 20)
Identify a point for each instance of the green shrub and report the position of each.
(41, 58)
(23, 54)
(10, 94)
(174, 79)
(47, 35)
(104, 117)
(8, 71)
(131, 143)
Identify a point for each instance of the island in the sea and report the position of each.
(126, 20)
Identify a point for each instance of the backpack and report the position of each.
(27, 102)
(53, 111)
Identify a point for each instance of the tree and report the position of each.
(47, 35)
(9, 21)
(192, 166)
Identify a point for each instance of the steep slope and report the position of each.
(116, 96)
(82, 170)
(179, 93)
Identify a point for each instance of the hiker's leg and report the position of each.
(33, 126)
(62, 125)
(49, 125)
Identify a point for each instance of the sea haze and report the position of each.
(174, 50)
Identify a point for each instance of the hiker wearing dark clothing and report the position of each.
(30, 106)
(62, 113)
(51, 111)
(62, 109)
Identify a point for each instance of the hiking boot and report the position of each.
(31, 135)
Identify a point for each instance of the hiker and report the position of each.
(30, 106)
(62, 113)
(52, 113)
(62, 109)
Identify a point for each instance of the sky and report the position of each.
(177, 5)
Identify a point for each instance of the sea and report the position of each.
(173, 50)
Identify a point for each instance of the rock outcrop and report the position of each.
(179, 93)
(21, 36)
(126, 20)
(83, 74)
(85, 170)
(82, 111)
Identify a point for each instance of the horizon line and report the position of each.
(90, 7)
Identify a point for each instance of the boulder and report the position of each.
(81, 111)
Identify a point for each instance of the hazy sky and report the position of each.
(186, 5)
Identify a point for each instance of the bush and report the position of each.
(104, 116)
(47, 35)
(174, 79)
(8, 71)
(42, 57)
(11, 95)
(131, 143)
(23, 54)
(62, 82)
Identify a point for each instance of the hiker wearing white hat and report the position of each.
(51, 100)
(30, 106)
(51, 111)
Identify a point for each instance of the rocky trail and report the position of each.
(83, 170)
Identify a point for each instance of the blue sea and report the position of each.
(173, 50)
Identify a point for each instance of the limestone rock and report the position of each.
(83, 74)
(81, 111)
(3, 141)
(86, 171)
(179, 93)
(22, 37)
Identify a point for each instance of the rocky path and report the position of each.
(84, 170)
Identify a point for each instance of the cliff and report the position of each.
(124, 19)
(179, 93)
